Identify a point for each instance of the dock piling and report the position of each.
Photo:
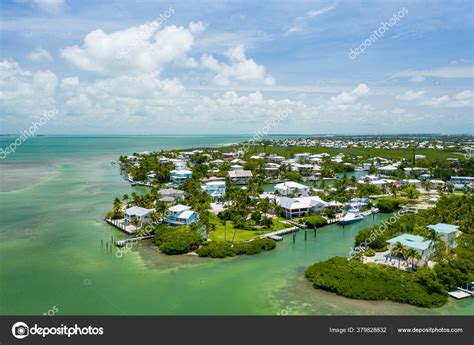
(294, 238)
(305, 235)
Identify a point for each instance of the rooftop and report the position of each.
(291, 184)
(443, 228)
(137, 211)
(179, 208)
(411, 241)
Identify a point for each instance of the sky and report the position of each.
(237, 67)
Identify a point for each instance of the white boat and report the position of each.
(350, 217)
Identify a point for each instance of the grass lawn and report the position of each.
(219, 234)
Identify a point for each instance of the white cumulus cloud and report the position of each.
(351, 97)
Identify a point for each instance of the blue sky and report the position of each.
(153, 67)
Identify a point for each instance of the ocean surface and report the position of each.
(54, 193)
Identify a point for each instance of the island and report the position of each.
(241, 199)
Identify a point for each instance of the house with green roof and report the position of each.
(447, 232)
(418, 243)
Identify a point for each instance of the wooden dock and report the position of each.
(120, 226)
(458, 294)
(277, 234)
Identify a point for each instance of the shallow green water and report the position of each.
(50, 252)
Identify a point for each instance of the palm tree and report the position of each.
(161, 208)
(135, 221)
(224, 222)
(412, 254)
(125, 197)
(434, 239)
(399, 251)
(359, 256)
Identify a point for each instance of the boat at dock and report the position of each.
(350, 217)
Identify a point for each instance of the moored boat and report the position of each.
(350, 217)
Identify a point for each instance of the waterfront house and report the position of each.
(180, 176)
(292, 188)
(358, 203)
(302, 169)
(240, 176)
(447, 232)
(180, 215)
(387, 170)
(300, 207)
(216, 189)
(271, 169)
(418, 243)
(143, 214)
(366, 166)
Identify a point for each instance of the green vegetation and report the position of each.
(226, 249)
(314, 221)
(449, 209)
(353, 279)
(177, 241)
(423, 287)
(388, 205)
(226, 230)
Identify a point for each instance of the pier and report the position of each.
(119, 224)
(123, 243)
(276, 235)
(458, 294)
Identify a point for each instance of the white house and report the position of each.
(464, 180)
(240, 176)
(271, 169)
(437, 183)
(388, 169)
(292, 188)
(276, 158)
(412, 182)
(298, 156)
(300, 207)
(141, 213)
(236, 167)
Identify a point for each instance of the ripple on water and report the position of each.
(20, 175)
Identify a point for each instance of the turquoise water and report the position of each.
(57, 193)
